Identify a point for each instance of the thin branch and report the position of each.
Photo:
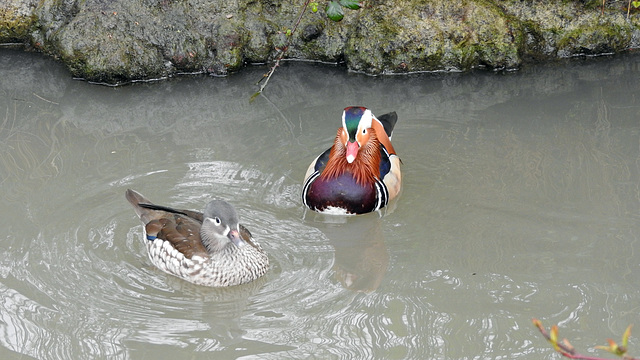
(267, 76)
(43, 99)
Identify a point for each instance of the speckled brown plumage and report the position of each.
(209, 248)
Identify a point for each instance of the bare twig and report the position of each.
(267, 76)
(43, 99)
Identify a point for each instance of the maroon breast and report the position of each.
(341, 192)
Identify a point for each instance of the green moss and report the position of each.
(122, 39)
(594, 39)
(13, 26)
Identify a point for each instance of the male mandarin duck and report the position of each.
(210, 248)
(360, 173)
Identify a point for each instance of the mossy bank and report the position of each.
(122, 40)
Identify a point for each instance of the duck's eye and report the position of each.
(364, 131)
(217, 221)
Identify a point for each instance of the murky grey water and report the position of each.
(521, 199)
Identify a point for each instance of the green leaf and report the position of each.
(635, 4)
(627, 333)
(334, 11)
(553, 337)
(314, 7)
(351, 4)
(612, 348)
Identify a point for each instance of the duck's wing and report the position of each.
(388, 122)
(318, 164)
(181, 228)
(248, 238)
(384, 129)
(321, 161)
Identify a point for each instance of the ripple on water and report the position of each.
(506, 214)
(89, 290)
(299, 283)
(238, 184)
(303, 302)
(92, 291)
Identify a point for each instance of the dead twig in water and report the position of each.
(43, 99)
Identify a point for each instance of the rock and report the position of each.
(122, 40)
(16, 20)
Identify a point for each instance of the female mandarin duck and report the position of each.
(209, 249)
(360, 173)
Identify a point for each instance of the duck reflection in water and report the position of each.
(361, 256)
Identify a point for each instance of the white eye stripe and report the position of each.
(215, 220)
(366, 119)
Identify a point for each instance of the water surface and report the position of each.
(521, 199)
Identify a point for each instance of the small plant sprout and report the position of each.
(567, 350)
(635, 4)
